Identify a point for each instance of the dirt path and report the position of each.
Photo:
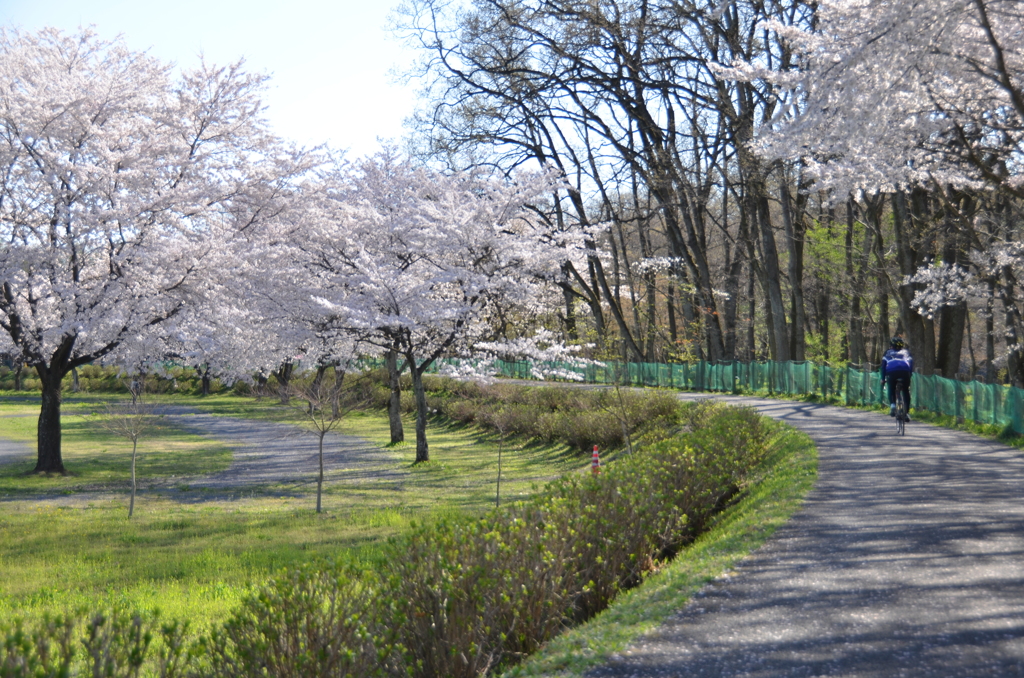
(907, 559)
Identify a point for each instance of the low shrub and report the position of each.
(579, 419)
(112, 644)
(314, 621)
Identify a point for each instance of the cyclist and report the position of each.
(897, 364)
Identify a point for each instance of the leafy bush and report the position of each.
(106, 645)
(579, 419)
(313, 621)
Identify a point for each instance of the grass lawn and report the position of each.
(66, 541)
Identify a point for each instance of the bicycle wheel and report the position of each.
(901, 414)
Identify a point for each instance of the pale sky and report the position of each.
(329, 62)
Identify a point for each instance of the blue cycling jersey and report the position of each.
(897, 362)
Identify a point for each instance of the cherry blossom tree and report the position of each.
(119, 185)
(915, 92)
(412, 259)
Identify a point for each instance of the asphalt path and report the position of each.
(271, 453)
(263, 454)
(907, 559)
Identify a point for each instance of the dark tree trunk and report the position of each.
(283, 376)
(908, 224)
(670, 307)
(571, 332)
(206, 383)
(49, 458)
(420, 394)
(952, 319)
(339, 377)
(773, 283)
(824, 303)
(794, 224)
(751, 306)
(261, 385)
(1015, 359)
(395, 398)
(135, 449)
(990, 333)
(318, 378)
(952, 323)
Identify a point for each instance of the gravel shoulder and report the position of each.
(907, 559)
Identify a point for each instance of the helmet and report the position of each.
(897, 343)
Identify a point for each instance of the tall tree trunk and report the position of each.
(952, 324)
(773, 283)
(395, 398)
(952, 319)
(884, 330)
(824, 302)
(420, 394)
(908, 224)
(339, 378)
(1015, 359)
(49, 458)
(283, 376)
(670, 308)
(795, 234)
(571, 332)
(990, 333)
(204, 378)
(855, 327)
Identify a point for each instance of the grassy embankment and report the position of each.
(66, 542)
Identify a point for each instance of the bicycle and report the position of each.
(901, 409)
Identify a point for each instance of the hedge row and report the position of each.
(464, 598)
(577, 417)
(100, 379)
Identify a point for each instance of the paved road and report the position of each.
(263, 453)
(906, 560)
(268, 452)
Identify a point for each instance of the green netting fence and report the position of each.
(983, 403)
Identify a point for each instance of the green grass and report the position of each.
(66, 541)
(740, 529)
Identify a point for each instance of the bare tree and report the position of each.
(325, 403)
(130, 420)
